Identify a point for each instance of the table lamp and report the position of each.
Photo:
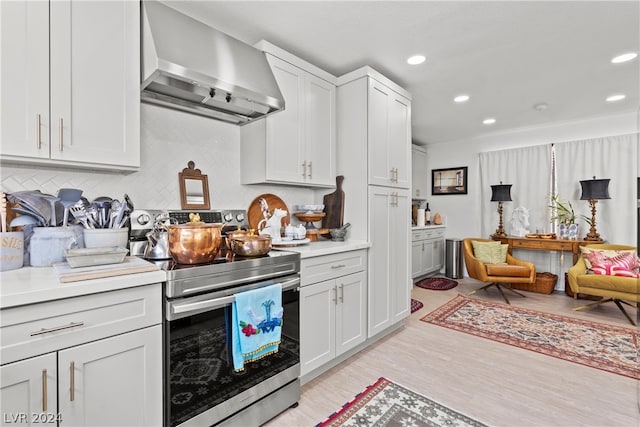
(594, 190)
(500, 193)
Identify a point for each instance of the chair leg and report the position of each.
(500, 287)
(514, 291)
(481, 288)
(616, 301)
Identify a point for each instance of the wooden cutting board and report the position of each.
(255, 214)
(334, 206)
(130, 265)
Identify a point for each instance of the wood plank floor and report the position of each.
(495, 383)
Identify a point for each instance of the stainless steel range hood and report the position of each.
(189, 66)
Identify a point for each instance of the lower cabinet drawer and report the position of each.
(325, 267)
(41, 328)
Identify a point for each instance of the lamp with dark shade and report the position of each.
(594, 190)
(500, 193)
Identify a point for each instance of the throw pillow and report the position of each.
(484, 250)
(601, 256)
(612, 270)
(499, 255)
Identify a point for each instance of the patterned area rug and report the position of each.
(388, 404)
(436, 283)
(415, 305)
(598, 345)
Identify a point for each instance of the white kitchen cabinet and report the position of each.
(427, 251)
(389, 283)
(297, 145)
(332, 311)
(390, 136)
(70, 83)
(418, 173)
(89, 360)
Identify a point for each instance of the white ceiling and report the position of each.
(507, 55)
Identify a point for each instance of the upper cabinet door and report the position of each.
(389, 137)
(95, 76)
(285, 129)
(320, 141)
(24, 90)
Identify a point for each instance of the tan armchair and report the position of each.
(618, 289)
(499, 275)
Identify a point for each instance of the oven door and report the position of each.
(201, 386)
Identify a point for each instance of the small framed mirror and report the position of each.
(194, 188)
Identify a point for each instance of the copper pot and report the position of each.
(194, 243)
(233, 235)
(250, 245)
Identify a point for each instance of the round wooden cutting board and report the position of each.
(255, 214)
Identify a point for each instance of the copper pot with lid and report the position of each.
(194, 242)
(250, 245)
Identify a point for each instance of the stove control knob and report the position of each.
(227, 217)
(144, 219)
(240, 217)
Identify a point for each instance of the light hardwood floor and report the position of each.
(495, 383)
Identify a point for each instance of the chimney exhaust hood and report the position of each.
(189, 66)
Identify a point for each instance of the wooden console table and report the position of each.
(544, 244)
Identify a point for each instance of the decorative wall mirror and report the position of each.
(194, 188)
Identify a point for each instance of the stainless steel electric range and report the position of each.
(201, 387)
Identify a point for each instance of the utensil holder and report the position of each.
(11, 250)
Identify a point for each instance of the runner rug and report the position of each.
(388, 404)
(415, 305)
(437, 283)
(598, 345)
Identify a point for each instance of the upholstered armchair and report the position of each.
(619, 289)
(499, 274)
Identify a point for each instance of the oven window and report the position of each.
(200, 367)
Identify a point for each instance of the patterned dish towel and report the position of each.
(256, 324)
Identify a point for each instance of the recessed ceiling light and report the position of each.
(624, 57)
(541, 106)
(461, 98)
(489, 121)
(614, 98)
(416, 59)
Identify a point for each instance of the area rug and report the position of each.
(598, 345)
(388, 404)
(415, 305)
(436, 283)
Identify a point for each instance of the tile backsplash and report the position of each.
(169, 139)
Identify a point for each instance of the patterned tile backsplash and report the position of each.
(169, 139)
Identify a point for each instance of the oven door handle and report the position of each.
(178, 310)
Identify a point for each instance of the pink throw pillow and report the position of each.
(612, 270)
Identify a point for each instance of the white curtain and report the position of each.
(613, 157)
(528, 170)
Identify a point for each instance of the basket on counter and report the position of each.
(544, 284)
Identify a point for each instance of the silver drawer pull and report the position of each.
(57, 328)
(339, 266)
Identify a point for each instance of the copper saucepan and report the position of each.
(194, 242)
(250, 245)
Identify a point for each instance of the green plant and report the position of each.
(563, 212)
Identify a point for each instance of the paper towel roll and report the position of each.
(420, 218)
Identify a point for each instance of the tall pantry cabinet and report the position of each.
(374, 155)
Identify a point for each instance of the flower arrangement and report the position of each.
(563, 212)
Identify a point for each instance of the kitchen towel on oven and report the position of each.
(256, 324)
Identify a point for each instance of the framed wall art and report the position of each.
(449, 181)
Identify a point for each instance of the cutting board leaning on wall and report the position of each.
(334, 206)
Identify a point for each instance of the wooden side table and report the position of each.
(544, 244)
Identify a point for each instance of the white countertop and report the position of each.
(30, 285)
(427, 227)
(325, 247)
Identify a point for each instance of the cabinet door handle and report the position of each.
(57, 328)
(304, 169)
(338, 266)
(44, 390)
(39, 132)
(310, 170)
(341, 293)
(72, 376)
(335, 295)
(60, 145)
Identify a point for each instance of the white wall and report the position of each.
(462, 211)
(169, 139)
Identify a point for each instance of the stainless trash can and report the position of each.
(454, 258)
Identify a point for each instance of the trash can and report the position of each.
(454, 258)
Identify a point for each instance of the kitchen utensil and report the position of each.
(68, 197)
(255, 214)
(251, 245)
(334, 206)
(78, 211)
(3, 211)
(194, 243)
(234, 234)
(103, 205)
(337, 234)
(33, 201)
